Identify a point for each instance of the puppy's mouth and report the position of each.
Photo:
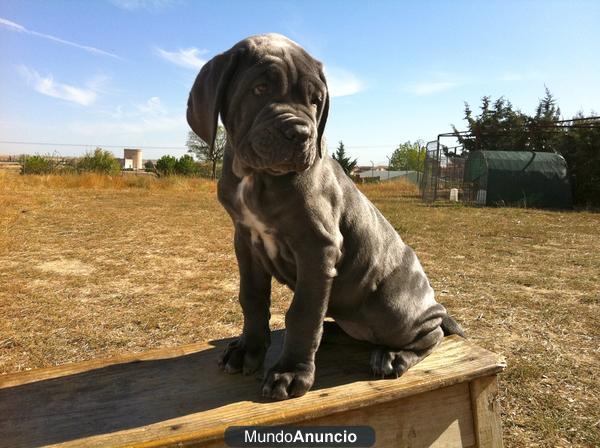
(294, 161)
(289, 147)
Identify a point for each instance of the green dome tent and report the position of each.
(523, 178)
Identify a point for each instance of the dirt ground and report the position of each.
(93, 266)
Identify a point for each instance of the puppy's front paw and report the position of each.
(386, 362)
(238, 357)
(286, 380)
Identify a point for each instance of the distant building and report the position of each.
(362, 168)
(384, 175)
(132, 159)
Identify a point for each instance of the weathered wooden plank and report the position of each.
(440, 418)
(178, 395)
(486, 412)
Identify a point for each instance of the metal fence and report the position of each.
(444, 174)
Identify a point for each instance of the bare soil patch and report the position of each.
(65, 267)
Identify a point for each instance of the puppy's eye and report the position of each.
(316, 100)
(260, 89)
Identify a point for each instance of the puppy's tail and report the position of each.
(450, 326)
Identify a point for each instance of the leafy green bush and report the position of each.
(170, 166)
(37, 164)
(409, 156)
(205, 170)
(186, 166)
(68, 166)
(149, 167)
(99, 161)
(165, 166)
(580, 148)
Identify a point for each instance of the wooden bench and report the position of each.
(178, 397)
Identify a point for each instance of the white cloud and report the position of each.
(48, 86)
(148, 5)
(147, 117)
(341, 82)
(12, 25)
(187, 57)
(152, 107)
(143, 125)
(428, 88)
(21, 29)
(100, 83)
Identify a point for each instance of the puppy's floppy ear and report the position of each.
(208, 92)
(323, 120)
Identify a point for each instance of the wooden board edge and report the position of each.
(298, 416)
(487, 423)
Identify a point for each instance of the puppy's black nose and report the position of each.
(298, 133)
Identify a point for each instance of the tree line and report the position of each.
(500, 127)
(96, 161)
(208, 158)
(497, 126)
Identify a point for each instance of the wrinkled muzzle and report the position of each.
(281, 144)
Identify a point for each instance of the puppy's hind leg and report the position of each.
(387, 361)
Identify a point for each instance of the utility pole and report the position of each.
(389, 163)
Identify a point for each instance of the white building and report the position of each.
(132, 159)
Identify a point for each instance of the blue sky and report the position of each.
(118, 72)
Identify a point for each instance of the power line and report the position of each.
(555, 127)
(369, 146)
(87, 144)
(152, 147)
(558, 124)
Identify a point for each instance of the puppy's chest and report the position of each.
(263, 234)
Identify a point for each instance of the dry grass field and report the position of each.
(92, 266)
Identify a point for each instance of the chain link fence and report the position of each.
(444, 175)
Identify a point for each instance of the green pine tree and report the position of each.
(340, 156)
(544, 135)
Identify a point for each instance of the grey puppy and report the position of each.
(300, 219)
